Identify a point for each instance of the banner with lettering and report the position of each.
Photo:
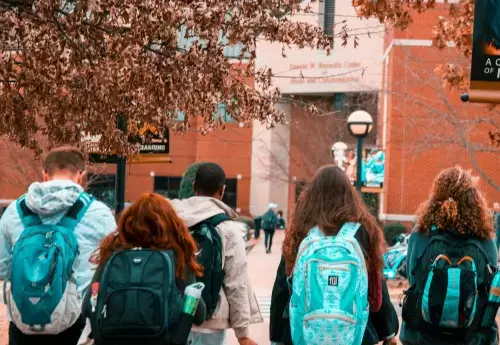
(485, 66)
(372, 168)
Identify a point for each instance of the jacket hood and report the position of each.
(198, 208)
(52, 197)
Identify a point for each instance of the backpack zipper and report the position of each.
(329, 317)
(104, 314)
(332, 267)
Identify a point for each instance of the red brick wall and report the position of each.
(230, 147)
(312, 136)
(421, 140)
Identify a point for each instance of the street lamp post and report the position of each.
(359, 124)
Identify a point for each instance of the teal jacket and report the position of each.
(416, 246)
(51, 200)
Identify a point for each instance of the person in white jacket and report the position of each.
(63, 173)
(237, 307)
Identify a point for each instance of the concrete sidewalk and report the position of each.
(262, 271)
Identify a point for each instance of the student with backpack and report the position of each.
(281, 221)
(228, 293)
(46, 239)
(136, 295)
(333, 258)
(451, 261)
(269, 224)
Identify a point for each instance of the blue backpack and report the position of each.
(43, 297)
(329, 303)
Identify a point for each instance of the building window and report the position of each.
(102, 187)
(299, 187)
(181, 116)
(231, 194)
(168, 186)
(329, 19)
(339, 101)
(221, 112)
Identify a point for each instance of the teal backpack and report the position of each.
(329, 303)
(43, 297)
(269, 220)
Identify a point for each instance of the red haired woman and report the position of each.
(150, 224)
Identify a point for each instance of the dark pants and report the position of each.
(257, 233)
(268, 238)
(69, 336)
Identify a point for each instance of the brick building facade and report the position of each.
(422, 127)
(426, 128)
(230, 148)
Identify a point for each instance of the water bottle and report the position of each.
(192, 296)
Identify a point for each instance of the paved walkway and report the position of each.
(262, 270)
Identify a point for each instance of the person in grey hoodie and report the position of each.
(237, 307)
(63, 173)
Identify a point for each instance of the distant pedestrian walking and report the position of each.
(269, 224)
(451, 259)
(46, 239)
(281, 221)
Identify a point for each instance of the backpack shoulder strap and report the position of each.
(218, 218)
(28, 217)
(348, 230)
(77, 211)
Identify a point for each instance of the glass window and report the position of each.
(102, 187)
(329, 16)
(339, 101)
(231, 194)
(221, 112)
(181, 116)
(168, 186)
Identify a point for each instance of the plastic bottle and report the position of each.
(192, 296)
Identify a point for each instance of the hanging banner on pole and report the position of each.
(485, 66)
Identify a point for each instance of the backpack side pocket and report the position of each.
(411, 313)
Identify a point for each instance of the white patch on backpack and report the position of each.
(34, 300)
(137, 261)
(333, 281)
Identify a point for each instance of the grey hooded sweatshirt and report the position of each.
(237, 307)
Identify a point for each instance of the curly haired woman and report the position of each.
(451, 248)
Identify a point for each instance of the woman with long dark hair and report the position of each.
(329, 202)
(150, 223)
(453, 243)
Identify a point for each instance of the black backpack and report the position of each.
(210, 257)
(138, 299)
(447, 301)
